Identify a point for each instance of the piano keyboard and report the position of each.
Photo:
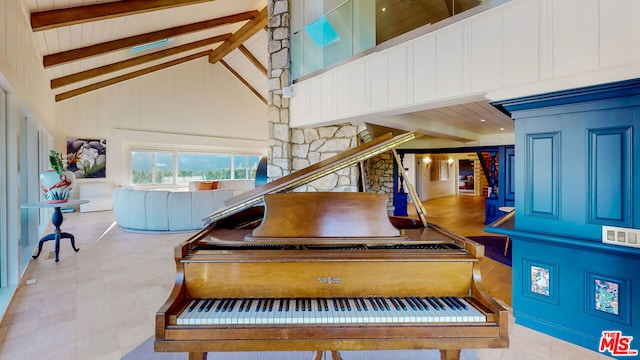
(342, 310)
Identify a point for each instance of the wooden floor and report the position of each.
(100, 303)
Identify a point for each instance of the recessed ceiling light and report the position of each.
(483, 120)
(384, 9)
(501, 129)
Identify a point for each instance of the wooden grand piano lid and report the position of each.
(313, 172)
(336, 215)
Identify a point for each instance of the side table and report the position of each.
(56, 220)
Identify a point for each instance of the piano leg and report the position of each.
(450, 354)
(197, 356)
(334, 355)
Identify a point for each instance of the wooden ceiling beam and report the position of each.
(242, 80)
(87, 74)
(252, 59)
(118, 79)
(93, 50)
(50, 19)
(240, 36)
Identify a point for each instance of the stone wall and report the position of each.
(380, 169)
(310, 146)
(278, 46)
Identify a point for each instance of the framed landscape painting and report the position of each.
(87, 158)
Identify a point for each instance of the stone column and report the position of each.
(278, 47)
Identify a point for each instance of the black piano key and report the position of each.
(402, 303)
(193, 306)
(271, 302)
(357, 301)
(421, 306)
(385, 304)
(259, 305)
(229, 305)
(335, 304)
(288, 305)
(394, 303)
(423, 303)
(459, 302)
(453, 303)
(434, 305)
(364, 305)
(341, 301)
(373, 303)
(265, 305)
(326, 304)
(210, 305)
(447, 303)
(318, 304)
(297, 304)
(309, 307)
(248, 306)
(281, 305)
(439, 302)
(346, 301)
(220, 304)
(203, 303)
(243, 303)
(409, 300)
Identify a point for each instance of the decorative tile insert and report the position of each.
(608, 297)
(540, 280)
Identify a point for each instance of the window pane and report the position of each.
(203, 167)
(164, 168)
(141, 167)
(253, 161)
(240, 167)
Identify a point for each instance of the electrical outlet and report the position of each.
(621, 236)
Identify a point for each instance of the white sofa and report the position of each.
(98, 194)
(161, 210)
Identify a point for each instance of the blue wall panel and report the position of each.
(610, 158)
(542, 181)
(577, 168)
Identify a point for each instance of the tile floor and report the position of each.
(100, 303)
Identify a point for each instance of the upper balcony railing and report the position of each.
(357, 27)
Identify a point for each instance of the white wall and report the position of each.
(522, 47)
(195, 105)
(25, 97)
(21, 70)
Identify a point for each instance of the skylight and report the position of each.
(321, 32)
(150, 46)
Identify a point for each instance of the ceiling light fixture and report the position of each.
(482, 120)
(384, 9)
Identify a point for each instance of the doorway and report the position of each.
(466, 177)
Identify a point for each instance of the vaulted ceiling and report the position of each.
(89, 44)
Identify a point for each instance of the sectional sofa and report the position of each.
(162, 210)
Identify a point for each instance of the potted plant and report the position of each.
(56, 184)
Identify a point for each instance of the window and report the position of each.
(179, 168)
(151, 167)
(203, 167)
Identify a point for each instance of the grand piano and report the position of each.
(279, 270)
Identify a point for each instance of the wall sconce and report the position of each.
(450, 161)
(427, 161)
